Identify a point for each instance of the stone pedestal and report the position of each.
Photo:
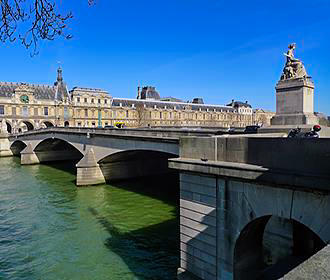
(295, 102)
(28, 156)
(89, 171)
(5, 145)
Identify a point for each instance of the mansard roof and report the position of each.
(89, 91)
(126, 102)
(40, 91)
(150, 93)
(236, 104)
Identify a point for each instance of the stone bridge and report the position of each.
(254, 208)
(101, 154)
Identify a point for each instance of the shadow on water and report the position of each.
(151, 253)
(68, 166)
(162, 187)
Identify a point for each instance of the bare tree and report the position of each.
(141, 114)
(32, 20)
(324, 122)
(261, 119)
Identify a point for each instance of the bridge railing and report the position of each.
(155, 132)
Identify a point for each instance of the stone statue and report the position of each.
(294, 68)
(3, 128)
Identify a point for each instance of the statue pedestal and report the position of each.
(295, 102)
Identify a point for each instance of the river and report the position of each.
(50, 229)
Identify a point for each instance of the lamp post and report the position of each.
(55, 102)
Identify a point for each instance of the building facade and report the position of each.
(26, 107)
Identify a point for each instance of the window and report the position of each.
(66, 112)
(160, 115)
(105, 101)
(2, 109)
(46, 111)
(127, 114)
(36, 113)
(93, 123)
(86, 113)
(78, 99)
(79, 124)
(13, 110)
(99, 101)
(92, 101)
(85, 100)
(25, 111)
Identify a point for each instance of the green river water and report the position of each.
(50, 229)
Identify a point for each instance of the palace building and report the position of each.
(28, 106)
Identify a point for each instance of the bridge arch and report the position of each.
(17, 146)
(25, 126)
(47, 124)
(253, 255)
(135, 163)
(56, 149)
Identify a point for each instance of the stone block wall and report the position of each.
(198, 226)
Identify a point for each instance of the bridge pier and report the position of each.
(89, 171)
(5, 145)
(28, 156)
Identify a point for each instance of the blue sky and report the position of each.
(218, 50)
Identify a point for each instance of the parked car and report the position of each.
(251, 129)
